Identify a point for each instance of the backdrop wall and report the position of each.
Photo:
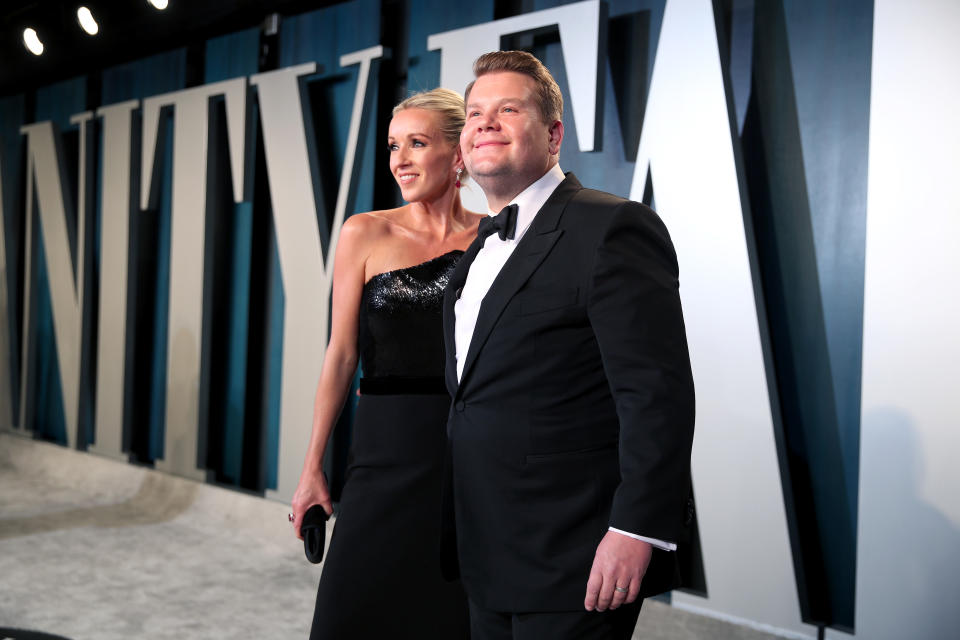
(168, 227)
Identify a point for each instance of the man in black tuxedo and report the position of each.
(573, 405)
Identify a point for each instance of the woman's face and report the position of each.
(423, 163)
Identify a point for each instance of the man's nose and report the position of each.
(488, 121)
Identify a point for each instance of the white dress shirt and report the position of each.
(484, 270)
(491, 258)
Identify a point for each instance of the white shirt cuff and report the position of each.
(659, 544)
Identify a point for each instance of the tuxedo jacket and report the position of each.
(575, 409)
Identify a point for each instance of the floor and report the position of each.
(92, 549)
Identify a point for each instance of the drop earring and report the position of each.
(457, 183)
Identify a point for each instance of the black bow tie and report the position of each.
(504, 223)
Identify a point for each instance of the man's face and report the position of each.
(505, 142)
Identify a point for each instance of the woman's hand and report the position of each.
(312, 489)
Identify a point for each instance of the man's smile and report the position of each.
(490, 143)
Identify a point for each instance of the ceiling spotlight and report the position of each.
(85, 18)
(159, 4)
(32, 41)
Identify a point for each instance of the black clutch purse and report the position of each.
(314, 532)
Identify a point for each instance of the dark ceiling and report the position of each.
(129, 29)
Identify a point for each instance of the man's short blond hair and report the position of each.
(549, 98)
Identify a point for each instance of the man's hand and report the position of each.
(620, 561)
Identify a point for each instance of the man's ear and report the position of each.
(556, 137)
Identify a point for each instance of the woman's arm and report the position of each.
(339, 361)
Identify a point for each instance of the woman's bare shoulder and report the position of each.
(367, 234)
(366, 221)
(369, 226)
(381, 216)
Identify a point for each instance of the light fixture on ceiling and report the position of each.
(159, 4)
(32, 41)
(85, 18)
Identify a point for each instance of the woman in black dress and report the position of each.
(381, 576)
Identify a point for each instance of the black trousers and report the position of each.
(617, 624)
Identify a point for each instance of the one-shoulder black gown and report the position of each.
(381, 576)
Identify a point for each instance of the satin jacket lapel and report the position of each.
(450, 296)
(530, 252)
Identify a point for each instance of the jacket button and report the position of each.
(460, 405)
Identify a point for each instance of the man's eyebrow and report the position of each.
(498, 101)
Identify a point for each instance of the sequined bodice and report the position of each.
(401, 320)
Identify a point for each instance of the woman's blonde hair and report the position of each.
(448, 103)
